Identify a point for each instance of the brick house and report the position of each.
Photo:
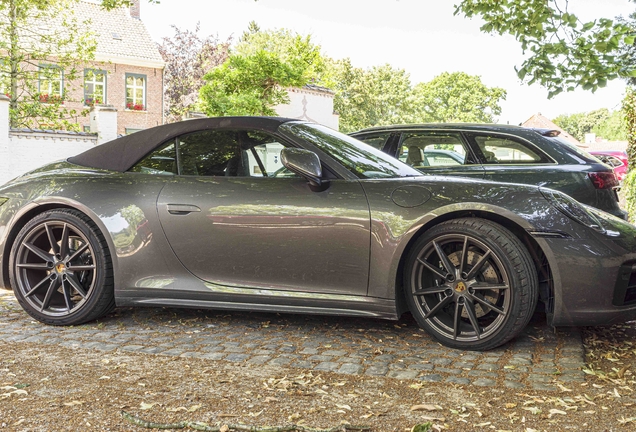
(127, 72)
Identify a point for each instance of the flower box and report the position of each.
(135, 107)
(51, 99)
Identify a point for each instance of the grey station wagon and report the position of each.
(503, 153)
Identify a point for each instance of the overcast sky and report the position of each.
(421, 36)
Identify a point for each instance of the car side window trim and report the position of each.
(328, 172)
(470, 154)
(471, 138)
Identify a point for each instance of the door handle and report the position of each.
(182, 209)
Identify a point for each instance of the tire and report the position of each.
(471, 284)
(61, 270)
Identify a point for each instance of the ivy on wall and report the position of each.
(629, 183)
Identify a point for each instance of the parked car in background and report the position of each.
(617, 159)
(504, 153)
(190, 214)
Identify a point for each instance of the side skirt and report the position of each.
(360, 307)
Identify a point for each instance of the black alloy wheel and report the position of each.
(471, 284)
(61, 271)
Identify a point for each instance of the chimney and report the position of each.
(135, 10)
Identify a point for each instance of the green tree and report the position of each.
(28, 44)
(613, 128)
(290, 47)
(596, 121)
(249, 85)
(562, 52)
(457, 97)
(377, 96)
(259, 70)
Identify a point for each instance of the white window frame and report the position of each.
(134, 88)
(41, 79)
(95, 83)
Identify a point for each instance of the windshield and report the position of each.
(361, 159)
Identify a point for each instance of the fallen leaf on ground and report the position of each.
(426, 407)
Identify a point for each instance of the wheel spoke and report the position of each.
(78, 268)
(457, 320)
(67, 296)
(473, 271)
(472, 316)
(488, 304)
(448, 266)
(432, 268)
(72, 279)
(438, 307)
(37, 286)
(464, 256)
(488, 286)
(49, 233)
(78, 252)
(431, 290)
(39, 252)
(49, 293)
(33, 266)
(64, 241)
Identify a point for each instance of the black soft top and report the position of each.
(123, 153)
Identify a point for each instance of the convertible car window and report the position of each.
(233, 153)
(210, 153)
(162, 161)
(422, 150)
(361, 159)
(502, 150)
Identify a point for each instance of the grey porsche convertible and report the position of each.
(280, 215)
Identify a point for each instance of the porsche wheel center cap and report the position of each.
(460, 287)
(60, 268)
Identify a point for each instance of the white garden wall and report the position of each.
(22, 150)
(310, 103)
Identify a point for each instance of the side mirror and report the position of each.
(304, 163)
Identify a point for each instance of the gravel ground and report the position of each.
(49, 387)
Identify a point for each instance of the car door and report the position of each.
(438, 153)
(236, 217)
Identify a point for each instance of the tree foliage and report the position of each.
(257, 73)
(601, 122)
(380, 95)
(613, 128)
(563, 52)
(457, 97)
(189, 57)
(33, 32)
(249, 85)
(291, 47)
(264, 63)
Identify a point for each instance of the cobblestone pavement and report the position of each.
(539, 359)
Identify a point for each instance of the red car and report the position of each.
(616, 159)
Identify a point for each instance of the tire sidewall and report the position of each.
(514, 289)
(81, 314)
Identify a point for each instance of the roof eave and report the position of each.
(140, 62)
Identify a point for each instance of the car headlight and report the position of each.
(573, 209)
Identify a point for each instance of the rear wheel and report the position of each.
(471, 284)
(61, 271)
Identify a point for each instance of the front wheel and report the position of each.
(61, 271)
(471, 284)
